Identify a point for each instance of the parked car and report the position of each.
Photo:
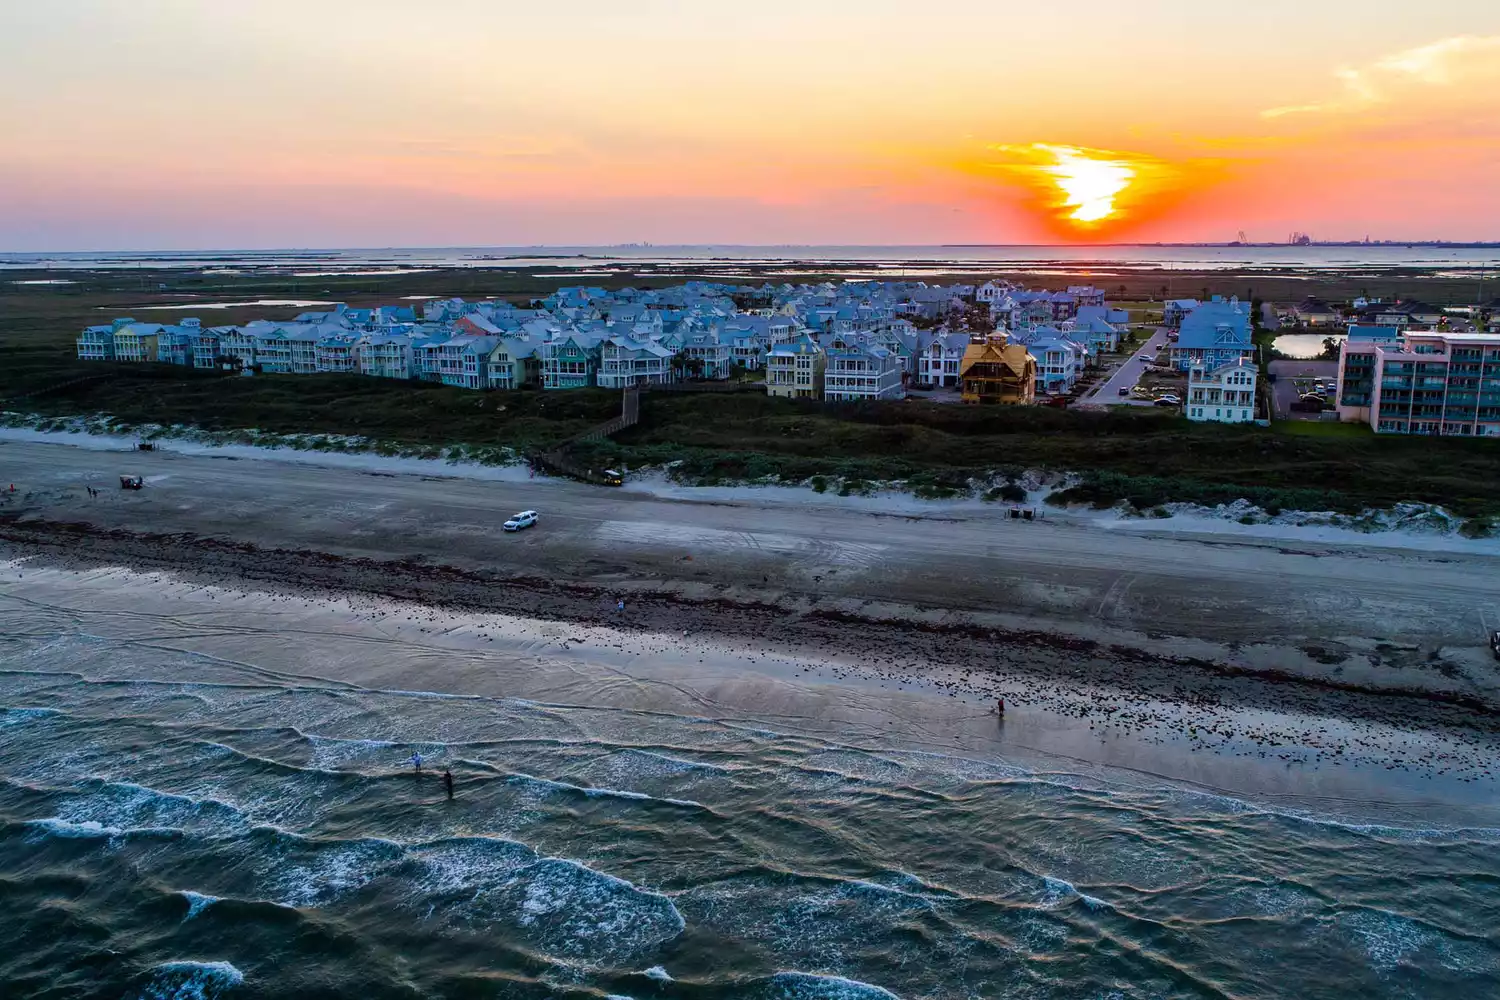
(1124, 390)
(1169, 397)
(525, 519)
(1167, 401)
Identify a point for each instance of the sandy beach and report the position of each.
(1250, 665)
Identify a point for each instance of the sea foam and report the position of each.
(806, 986)
(190, 981)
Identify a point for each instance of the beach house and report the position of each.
(995, 371)
(712, 354)
(1059, 362)
(1214, 334)
(513, 363)
(206, 347)
(795, 369)
(1177, 310)
(858, 371)
(96, 343)
(624, 361)
(569, 362)
(135, 341)
(387, 355)
(1225, 394)
(940, 357)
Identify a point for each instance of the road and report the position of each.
(1063, 569)
(1127, 375)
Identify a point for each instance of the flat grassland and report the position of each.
(1142, 456)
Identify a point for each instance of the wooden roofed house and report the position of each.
(994, 370)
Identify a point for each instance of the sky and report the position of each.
(183, 124)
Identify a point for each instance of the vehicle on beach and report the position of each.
(131, 482)
(1495, 644)
(523, 520)
(613, 478)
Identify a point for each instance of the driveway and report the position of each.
(1285, 391)
(1127, 375)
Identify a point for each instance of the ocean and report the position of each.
(913, 262)
(220, 803)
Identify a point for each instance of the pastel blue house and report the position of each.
(1059, 360)
(1213, 335)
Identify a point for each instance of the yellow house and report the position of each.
(795, 369)
(996, 371)
(136, 342)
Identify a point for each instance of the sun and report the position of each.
(1089, 185)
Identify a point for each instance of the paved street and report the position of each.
(1108, 393)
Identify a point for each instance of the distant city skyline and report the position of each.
(167, 124)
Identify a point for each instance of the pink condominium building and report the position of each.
(1422, 382)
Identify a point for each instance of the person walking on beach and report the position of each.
(416, 762)
(620, 606)
(448, 783)
(1000, 707)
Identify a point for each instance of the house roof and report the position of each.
(1013, 356)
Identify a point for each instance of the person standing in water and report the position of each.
(416, 762)
(448, 782)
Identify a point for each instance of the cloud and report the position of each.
(1456, 62)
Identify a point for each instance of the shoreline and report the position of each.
(1224, 729)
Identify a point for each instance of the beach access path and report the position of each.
(1253, 601)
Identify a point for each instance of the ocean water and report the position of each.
(913, 262)
(182, 826)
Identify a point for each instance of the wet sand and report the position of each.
(1066, 712)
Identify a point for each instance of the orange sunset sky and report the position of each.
(169, 123)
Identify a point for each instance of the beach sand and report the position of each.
(1301, 671)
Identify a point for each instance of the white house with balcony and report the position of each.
(624, 361)
(861, 371)
(1225, 394)
(939, 358)
(386, 355)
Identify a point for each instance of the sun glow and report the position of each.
(1089, 186)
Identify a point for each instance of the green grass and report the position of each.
(1322, 429)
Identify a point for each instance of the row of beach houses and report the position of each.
(852, 341)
